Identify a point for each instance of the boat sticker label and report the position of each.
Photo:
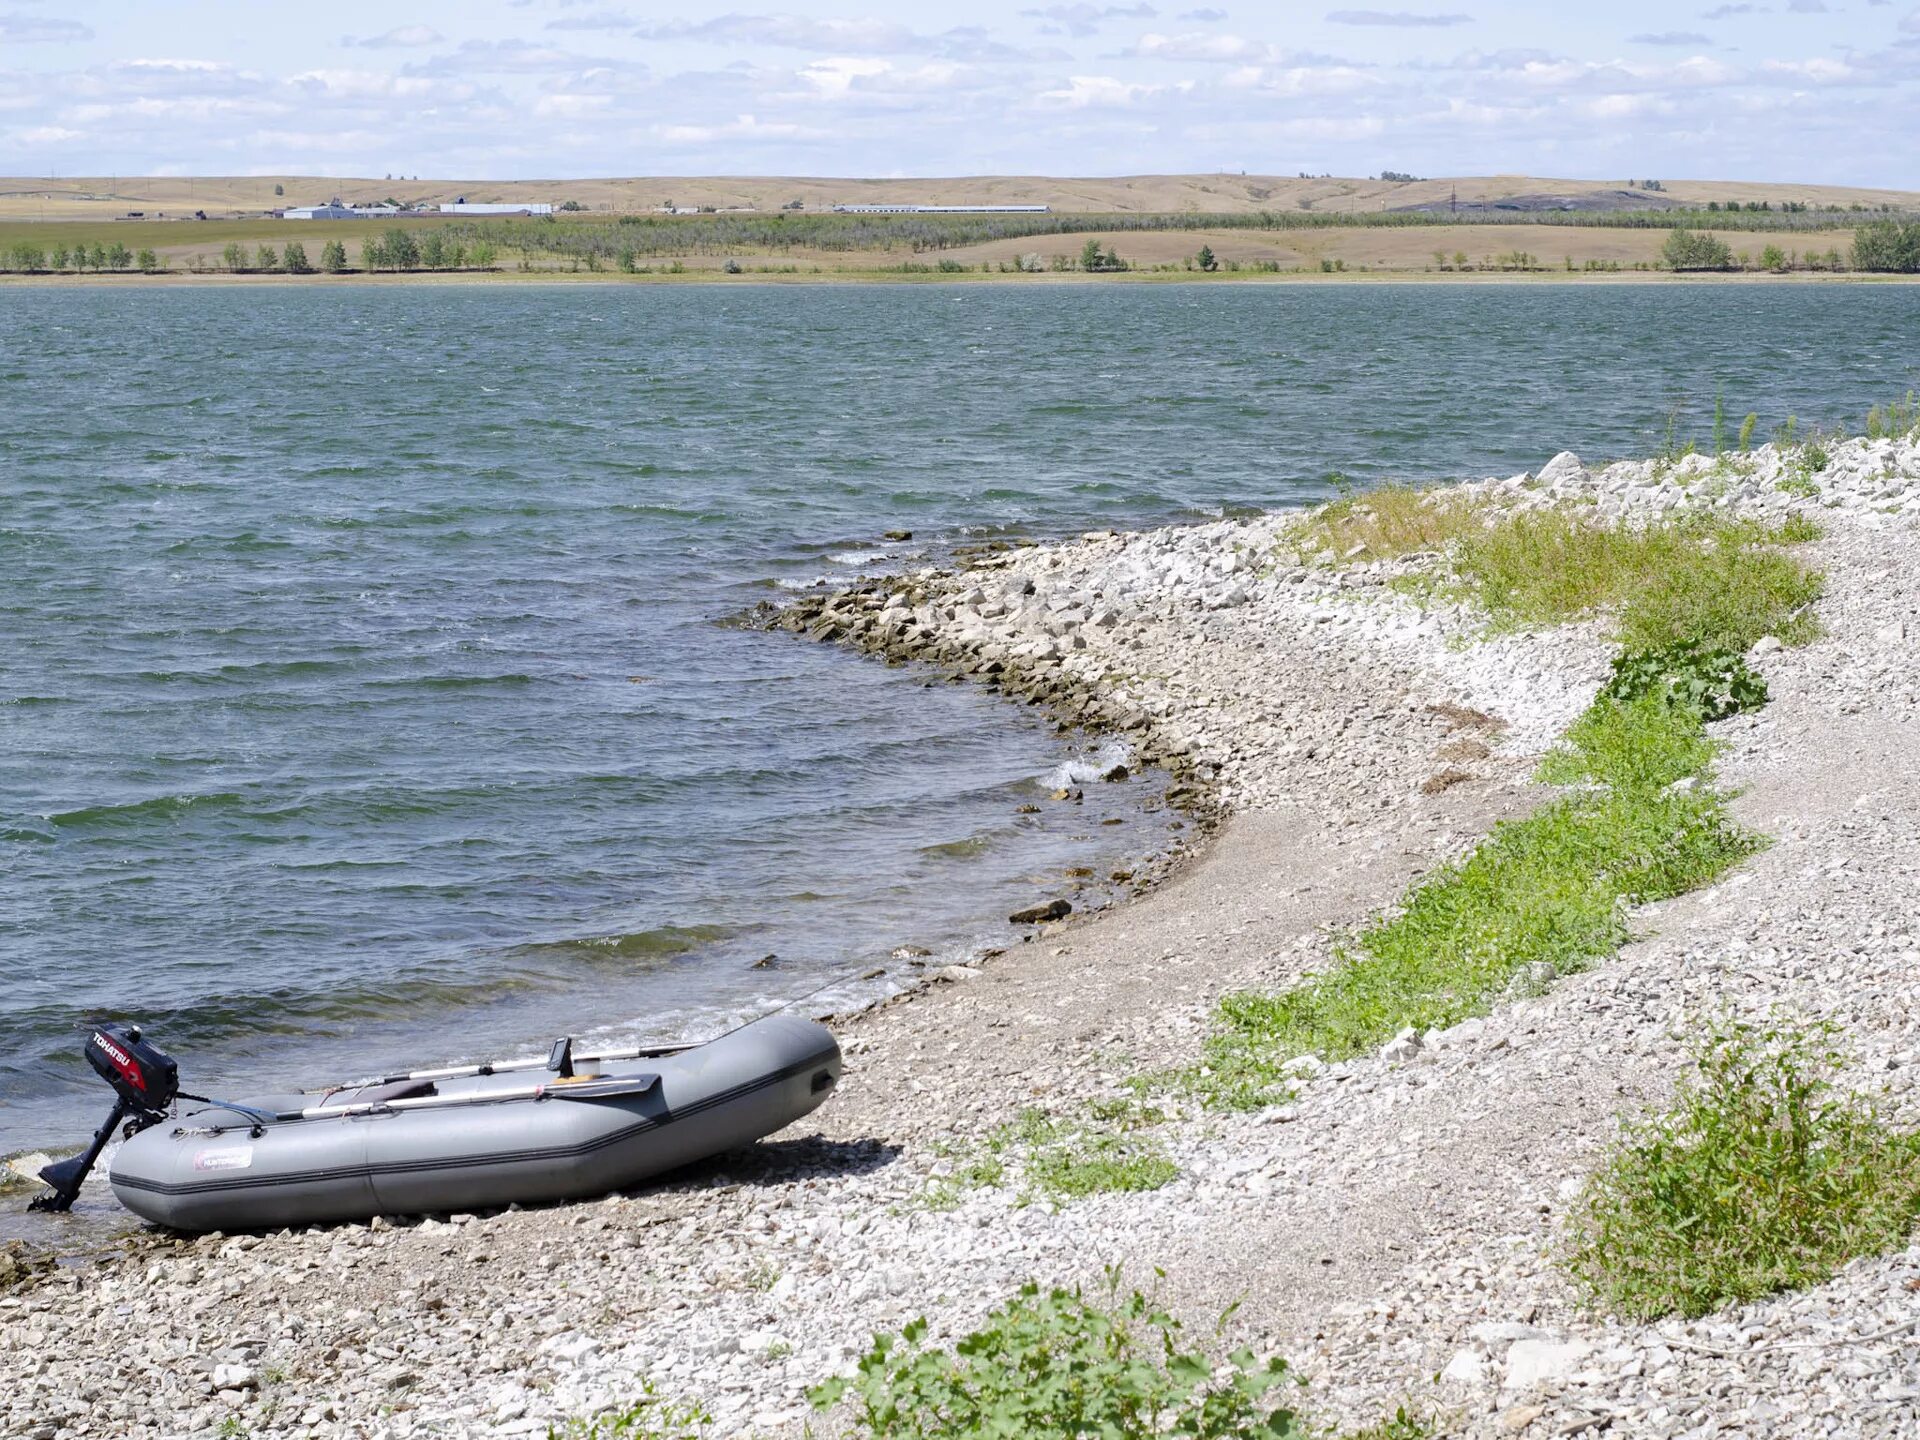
(237, 1157)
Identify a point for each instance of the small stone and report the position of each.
(1402, 1047)
(1465, 1368)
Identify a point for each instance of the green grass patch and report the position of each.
(651, 1417)
(1709, 581)
(1764, 1176)
(1547, 891)
(1063, 1158)
(1401, 1425)
(1384, 524)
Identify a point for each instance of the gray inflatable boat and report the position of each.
(458, 1139)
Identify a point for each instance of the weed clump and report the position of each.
(1764, 1176)
(1050, 1366)
(1713, 683)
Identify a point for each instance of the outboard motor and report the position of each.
(145, 1081)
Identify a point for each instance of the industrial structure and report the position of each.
(941, 209)
(463, 206)
(338, 209)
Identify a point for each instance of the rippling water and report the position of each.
(361, 696)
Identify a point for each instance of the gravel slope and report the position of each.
(1395, 1224)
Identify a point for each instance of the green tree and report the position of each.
(1687, 250)
(61, 257)
(118, 256)
(234, 256)
(1206, 259)
(433, 251)
(1888, 246)
(402, 251)
(147, 262)
(295, 258)
(26, 258)
(279, 189)
(1773, 258)
(481, 256)
(1090, 256)
(373, 255)
(333, 257)
(266, 258)
(96, 257)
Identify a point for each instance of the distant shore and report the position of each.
(183, 279)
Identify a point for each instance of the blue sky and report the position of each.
(1812, 90)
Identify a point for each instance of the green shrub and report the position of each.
(1764, 1176)
(1690, 250)
(1709, 682)
(1050, 1366)
(1898, 420)
(1891, 246)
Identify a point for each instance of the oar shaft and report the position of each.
(539, 1062)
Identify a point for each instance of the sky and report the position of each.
(1821, 91)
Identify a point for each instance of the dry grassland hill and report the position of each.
(114, 197)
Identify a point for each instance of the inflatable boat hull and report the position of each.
(478, 1141)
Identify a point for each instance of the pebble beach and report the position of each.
(1331, 735)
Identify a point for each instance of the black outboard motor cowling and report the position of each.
(145, 1081)
(143, 1075)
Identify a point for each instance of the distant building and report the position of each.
(336, 209)
(463, 206)
(941, 209)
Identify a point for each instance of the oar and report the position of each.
(608, 1088)
(539, 1062)
(611, 1087)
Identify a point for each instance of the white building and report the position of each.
(334, 209)
(463, 206)
(941, 209)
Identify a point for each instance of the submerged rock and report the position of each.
(1040, 914)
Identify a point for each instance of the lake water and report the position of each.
(361, 693)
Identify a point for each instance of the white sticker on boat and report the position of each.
(234, 1158)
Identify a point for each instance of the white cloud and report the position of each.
(1404, 19)
(17, 29)
(1103, 92)
(401, 37)
(1197, 45)
(743, 127)
(1082, 19)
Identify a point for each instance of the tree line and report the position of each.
(1887, 247)
(602, 240)
(26, 258)
(395, 250)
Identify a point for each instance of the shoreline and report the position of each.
(1394, 1223)
(187, 280)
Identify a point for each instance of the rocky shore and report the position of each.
(1393, 1230)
